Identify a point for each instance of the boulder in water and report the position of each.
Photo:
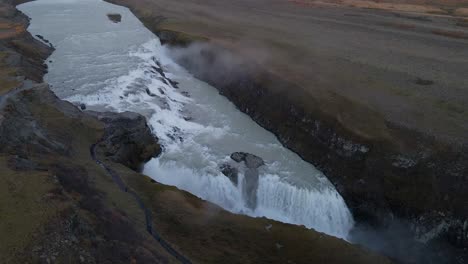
(238, 156)
(116, 18)
(230, 172)
(251, 161)
(250, 187)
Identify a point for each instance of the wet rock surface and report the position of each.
(250, 160)
(128, 139)
(231, 172)
(251, 187)
(251, 175)
(116, 18)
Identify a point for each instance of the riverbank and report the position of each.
(372, 98)
(60, 204)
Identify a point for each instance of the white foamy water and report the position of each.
(123, 67)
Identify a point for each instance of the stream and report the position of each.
(109, 66)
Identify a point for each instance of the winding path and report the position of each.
(148, 215)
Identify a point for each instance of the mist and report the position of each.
(217, 65)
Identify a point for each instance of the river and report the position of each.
(110, 66)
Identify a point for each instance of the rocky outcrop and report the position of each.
(250, 160)
(116, 18)
(231, 172)
(128, 139)
(250, 183)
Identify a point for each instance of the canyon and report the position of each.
(70, 169)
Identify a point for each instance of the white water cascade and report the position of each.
(123, 67)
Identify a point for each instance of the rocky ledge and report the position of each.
(128, 139)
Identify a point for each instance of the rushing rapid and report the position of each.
(122, 66)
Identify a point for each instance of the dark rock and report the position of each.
(128, 139)
(148, 92)
(42, 38)
(82, 106)
(238, 156)
(230, 172)
(174, 84)
(251, 187)
(251, 161)
(162, 79)
(116, 18)
(159, 70)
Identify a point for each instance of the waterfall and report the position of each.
(276, 199)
